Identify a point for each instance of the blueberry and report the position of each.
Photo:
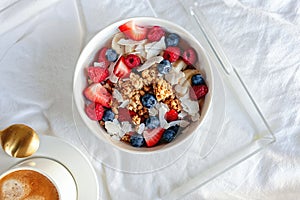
(111, 55)
(170, 133)
(197, 79)
(172, 40)
(137, 140)
(164, 67)
(148, 100)
(175, 128)
(108, 115)
(152, 122)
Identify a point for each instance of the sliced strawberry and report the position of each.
(133, 31)
(94, 111)
(97, 93)
(121, 70)
(97, 74)
(124, 115)
(102, 58)
(152, 136)
(101, 55)
(171, 115)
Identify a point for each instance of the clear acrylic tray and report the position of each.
(234, 129)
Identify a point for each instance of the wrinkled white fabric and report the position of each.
(40, 47)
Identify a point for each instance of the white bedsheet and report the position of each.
(40, 42)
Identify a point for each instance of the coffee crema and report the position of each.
(27, 185)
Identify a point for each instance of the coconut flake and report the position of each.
(163, 109)
(141, 128)
(189, 106)
(154, 48)
(180, 90)
(113, 128)
(99, 64)
(115, 137)
(181, 123)
(195, 117)
(113, 78)
(182, 114)
(150, 62)
(117, 95)
(186, 96)
(162, 105)
(174, 77)
(140, 49)
(166, 126)
(184, 123)
(126, 127)
(128, 49)
(124, 103)
(153, 111)
(129, 42)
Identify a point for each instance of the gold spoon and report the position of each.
(19, 141)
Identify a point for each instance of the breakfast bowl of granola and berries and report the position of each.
(143, 85)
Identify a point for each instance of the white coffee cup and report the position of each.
(38, 171)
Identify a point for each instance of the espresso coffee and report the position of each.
(27, 185)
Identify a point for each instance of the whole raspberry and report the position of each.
(132, 61)
(189, 56)
(97, 74)
(172, 53)
(94, 111)
(171, 115)
(155, 33)
(198, 91)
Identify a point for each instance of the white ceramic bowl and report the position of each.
(100, 40)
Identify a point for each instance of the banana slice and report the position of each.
(181, 90)
(114, 43)
(129, 49)
(179, 65)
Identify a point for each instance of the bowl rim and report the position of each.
(108, 139)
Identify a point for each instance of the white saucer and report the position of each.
(57, 149)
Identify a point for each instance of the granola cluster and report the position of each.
(149, 76)
(136, 106)
(137, 85)
(163, 90)
(173, 103)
